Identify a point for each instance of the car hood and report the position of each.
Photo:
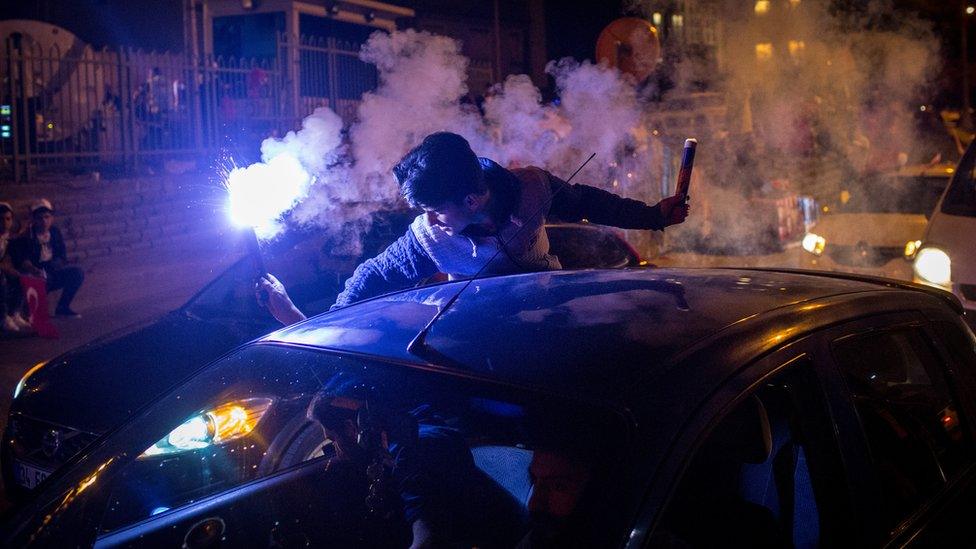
(99, 385)
(876, 229)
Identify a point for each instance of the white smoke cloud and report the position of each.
(421, 80)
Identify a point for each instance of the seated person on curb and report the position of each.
(41, 252)
(11, 295)
(443, 498)
(472, 209)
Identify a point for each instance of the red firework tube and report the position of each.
(687, 163)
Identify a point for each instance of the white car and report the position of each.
(946, 254)
(877, 224)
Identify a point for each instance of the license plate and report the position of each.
(29, 476)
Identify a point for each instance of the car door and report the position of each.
(905, 404)
(763, 470)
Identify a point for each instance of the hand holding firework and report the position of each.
(271, 293)
(259, 195)
(687, 163)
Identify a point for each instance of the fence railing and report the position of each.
(84, 108)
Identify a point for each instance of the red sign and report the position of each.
(35, 294)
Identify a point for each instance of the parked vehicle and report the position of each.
(666, 408)
(64, 404)
(880, 221)
(945, 256)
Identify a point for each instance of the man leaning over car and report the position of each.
(473, 208)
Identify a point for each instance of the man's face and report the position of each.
(6, 221)
(557, 485)
(451, 217)
(44, 220)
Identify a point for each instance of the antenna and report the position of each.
(418, 345)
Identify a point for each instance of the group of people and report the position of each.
(38, 251)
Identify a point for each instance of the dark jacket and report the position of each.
(405, 262)
(28, 247)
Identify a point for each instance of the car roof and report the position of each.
(565, 330)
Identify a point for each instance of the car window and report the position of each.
(587, 247)
(960, 198)
(908, 415)
(753, 482)
(469, 460)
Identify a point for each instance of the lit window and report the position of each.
(762, 7)
(764, 51)
(796, 47)
(677, 21)
(656, 18)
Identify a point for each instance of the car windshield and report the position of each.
(273, 435)
(960, 199)
(895, 194)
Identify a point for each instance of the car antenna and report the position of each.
(418, 345)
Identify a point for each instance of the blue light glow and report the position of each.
(262, 192)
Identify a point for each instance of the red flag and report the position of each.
(35, 294)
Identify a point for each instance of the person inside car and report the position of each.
(414, 458)
(475, 211)
(558, 482)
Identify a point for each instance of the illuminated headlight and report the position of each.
(932, 265)
(222, 424)
(23, 380)
(814, 243)
(911, 247)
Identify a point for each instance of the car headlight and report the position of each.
(221, 424)
(814, 243)
(932, 265)
(23, 380)
(911, 247)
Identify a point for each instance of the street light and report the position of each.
(970, 10)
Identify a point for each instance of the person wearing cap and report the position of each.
(11, 295)
(42, 253)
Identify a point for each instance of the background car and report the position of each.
(945, 256)
(878, 224)
(676, 408)
(61, 406)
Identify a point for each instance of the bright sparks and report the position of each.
(262, 192)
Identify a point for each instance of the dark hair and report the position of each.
(4, 209)
(440, 169)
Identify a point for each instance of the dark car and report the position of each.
(63, 405)
(631, 407)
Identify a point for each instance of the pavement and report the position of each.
(119, 291)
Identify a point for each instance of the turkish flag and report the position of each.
(35, 294)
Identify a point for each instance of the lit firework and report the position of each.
(261, 193)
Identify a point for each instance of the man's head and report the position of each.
(443, 176)
(42, 214)
(337, 416)
(558, 481)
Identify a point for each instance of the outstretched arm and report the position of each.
(401, 265)
(573, 202)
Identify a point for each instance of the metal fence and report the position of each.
(86, 109)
